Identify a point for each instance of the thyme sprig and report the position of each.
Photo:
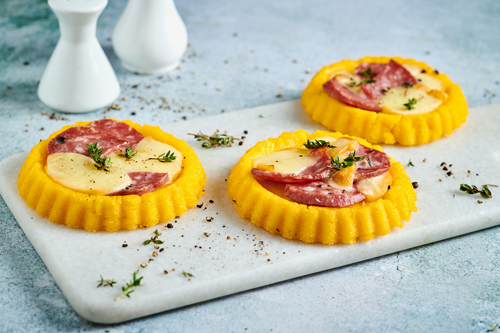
(367, 72)
(101, 163)
(186, 274)
(105, 283)
(411, 102)
(154, 239)
(129, 288)
(215, 140)
(317, 144)
(365, 80)
(368, 79)
(408, 84)
(472, 189)
(167, 157)
(347, 162)
(410, 163)
(128, 153)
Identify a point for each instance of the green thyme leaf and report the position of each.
(367, 72)
(129, 288)
(154, 239)
(105, 283)
(472, 189)
(408, 84)
(411, 102)
(410, 163)
(215, 140)
(101, 163)
(167, 157)
(186, 274)
(317, 144)
(128, 153)
(347, 162)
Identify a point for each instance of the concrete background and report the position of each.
(243, 54)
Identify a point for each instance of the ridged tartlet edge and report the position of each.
(111, 213)
(381, 127)
(326, 225)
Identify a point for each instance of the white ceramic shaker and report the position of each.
(150, 36)
(78, 76)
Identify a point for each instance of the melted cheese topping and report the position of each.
(78, 172)
(288, 161)
(350, 81)
(394, 99)
(429, 92)
(294, 160)
(146, 149)
(374, 187)
(427, 80)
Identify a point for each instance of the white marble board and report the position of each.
(223, 266)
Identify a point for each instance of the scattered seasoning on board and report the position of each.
(206, 234)
(154, 239)
(129, 288)
(415, 184)
(186, 274)
(472, 189)
(215, 140)
(105, 283)
(124, 245)
(209, 218)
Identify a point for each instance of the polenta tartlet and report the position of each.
(111, 175)
(386, 100)
(288, 186)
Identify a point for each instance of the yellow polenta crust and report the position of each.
(382, 127)
(111, 213)
(361, 221)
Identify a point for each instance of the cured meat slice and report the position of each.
(379, 161)
(143, 182)
(76, 139)
(120, 130)
(342, 94)
(375, 68)
(393, 75)
(321, 194)
(321, 170)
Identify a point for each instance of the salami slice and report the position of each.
(342, 94)
(143, 182)
(379, 163)
(321, 170)
(76, 139)
(120, 130)
(321, 194)
(393, 75)
(373, 66)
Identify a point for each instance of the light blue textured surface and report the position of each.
(253, 51)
